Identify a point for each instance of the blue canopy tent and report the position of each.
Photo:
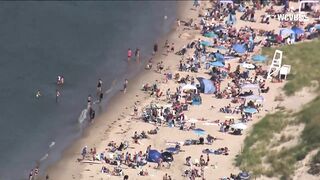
(206, 43)
(206, 86)
(219, 57)
(286, 32)
(239, 48)
(250, 110)
(210, 34)
(259, 58)
(297, 30)
(216, 64)
(153, 156)
(199, 132)
(317, 26)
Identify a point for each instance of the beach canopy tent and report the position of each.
(153, 156)
(206, 86)
(226, 1)
(285, 32)
(250, 110)
(188, 87)
(248, 65)
(216, 64)
(239, 48)
(206, 43)
(210, 35)
(303, 2)
(297, 30)
(317, 26)
(219, 57)
(240, 126)
(250, 86)
(253, 98)
(259, 58)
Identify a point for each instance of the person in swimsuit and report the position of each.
(57, 95)
(155, 48)
(125, 85)
(99, 87)
(137, 55)
(38, 94)
(129, 54)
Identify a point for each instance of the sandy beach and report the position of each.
(119, 123)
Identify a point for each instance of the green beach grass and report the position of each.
(257, 155)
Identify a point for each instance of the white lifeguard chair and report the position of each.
(284, 71)
(276, 64)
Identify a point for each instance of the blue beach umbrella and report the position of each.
(297, 30)
(221, 47)
(217, 64)
(244, 175)
(210, 34)
(153, 156)
(239, 48)
(250, 110)
(259, 58)
(206, 43)
(199, 132)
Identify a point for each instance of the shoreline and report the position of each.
(92, 134)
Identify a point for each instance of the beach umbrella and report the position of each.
(210, 35)
(286, 32)
(189, 87)
(172, 149)
(297, 30)
(217, 64)
(250, 86)
(206, 43)
(221, 47)
(259, 58)
(167, 156)
(317, 26)
(239, 48)
(244, 175)
(250, 110)
(199, 132)
(240, 126)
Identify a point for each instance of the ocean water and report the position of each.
(83, 41)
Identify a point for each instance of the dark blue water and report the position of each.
(83, 41)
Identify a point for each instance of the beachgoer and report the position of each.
(100, 96)
(89, 100)
(137, 55)
(129, 54)
(38, 94)
(99, 87)
(84, 152)
(31, 174)
(126, 177)
(155, 48)
(125, 85)
(47, 177)
(57, 95)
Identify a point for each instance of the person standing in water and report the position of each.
(89, 100)
(129, 54)
(100, 96)
(99, 87)
(155, 48)
(38, 94)
(137, 55)
(57, 95)
(125, 85)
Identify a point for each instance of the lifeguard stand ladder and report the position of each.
(276, 64)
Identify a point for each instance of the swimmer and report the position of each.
(38, 94)
(137, 55)
(89, 100)
(129, 54)
(57, 95)
(125, 85)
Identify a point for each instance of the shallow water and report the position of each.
(83, 41)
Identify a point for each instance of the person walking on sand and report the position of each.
(137, 55)
(125, 85)
(57, 95)
(129, 54)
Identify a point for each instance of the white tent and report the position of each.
(250, 86)
(240, 126)
(302, 2)
(254, 98)
(189, 87)
(226, 1)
